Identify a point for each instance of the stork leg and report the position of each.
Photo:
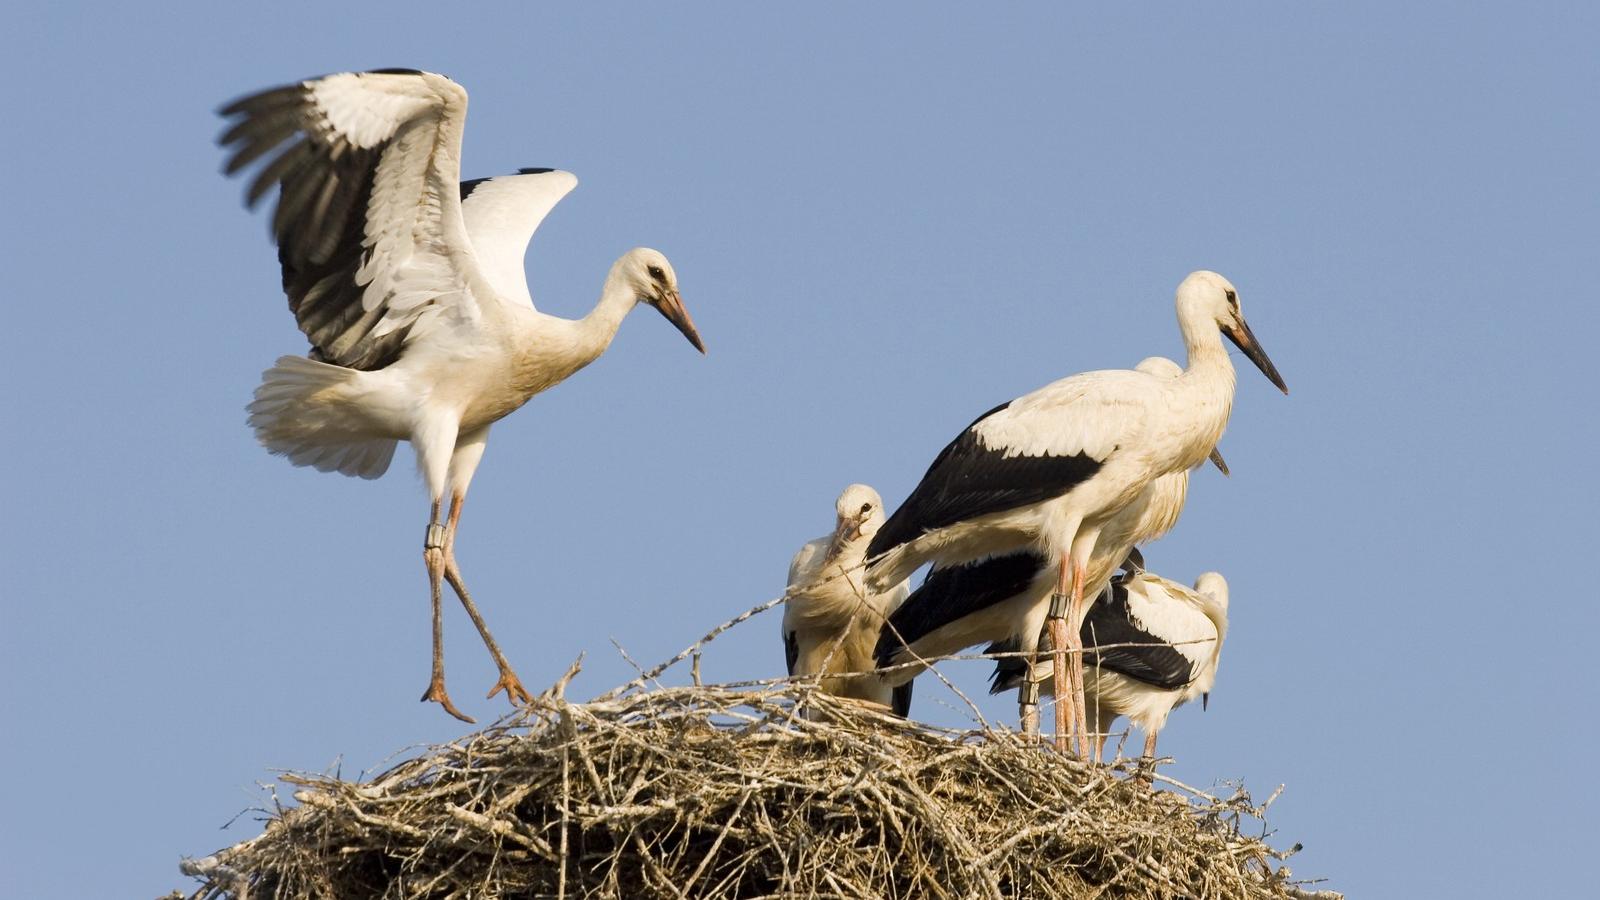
(1075, 618)
(1028, 700)
(433, 555)
(1150, 745)
(508, 682)
(1066, 697)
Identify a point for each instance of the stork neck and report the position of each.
(599, 327)
(1205, 398)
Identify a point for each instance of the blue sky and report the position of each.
(885, 220)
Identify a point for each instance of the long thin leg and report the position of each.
(508, 682)
(1059, 641)
(433, 556)
(1075, 641)
(1028, 700)
(1150, 745)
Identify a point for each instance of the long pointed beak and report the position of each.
(845, 530)
(1246, 341)
(1205, 701)
(1219, 462)
(671, 306)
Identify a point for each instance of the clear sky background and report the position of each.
(886, 219)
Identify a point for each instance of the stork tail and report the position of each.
(296, 413)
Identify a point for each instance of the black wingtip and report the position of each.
(888, 645)
(900, 700)
(1007, 669)
(533, 170)
(394, 71)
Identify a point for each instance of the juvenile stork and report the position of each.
(1051, 468)
(410, 286)
(830, 619)
(1152, 645)
(1005, 597)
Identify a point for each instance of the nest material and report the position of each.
(724, 792)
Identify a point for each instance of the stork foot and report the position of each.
(515, 692)
(437, 694)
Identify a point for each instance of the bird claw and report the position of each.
(436, 693)
(515, 692)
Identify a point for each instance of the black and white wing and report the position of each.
(1116, 638)
(369, 220)
(975, 475)
(952, 593)
(501, 216)
(803, 571)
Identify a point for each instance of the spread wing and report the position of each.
(501, 215)
(368, 221)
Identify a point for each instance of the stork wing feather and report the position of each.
(1035, 448)
(973, 477)
(1115, 639)
(501, 215)
(951, 593)
(808, 561)
(368, 221)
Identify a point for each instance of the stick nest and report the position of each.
(724, 792)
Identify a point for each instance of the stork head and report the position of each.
(648, 274)
(1213, 590)
(860, 512)
(1214, 586)
(1207, 295)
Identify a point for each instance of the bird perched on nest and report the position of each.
(409, 284)
(1005, 596)
(830, 619)
(1150, 645)
(1051, 468)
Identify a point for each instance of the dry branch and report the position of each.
(712, 791)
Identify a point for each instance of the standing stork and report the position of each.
(830, 619)
(1052, 467)
(1152, 646)
(1005, 597)
(410, 286)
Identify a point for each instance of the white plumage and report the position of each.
(1051, 468)
(937, 624)
(409, 285)
(830, 620)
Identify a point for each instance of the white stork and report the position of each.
(1005, 597)
(410, 286)
(830, 619)
(1051, 468)
(1152, 645)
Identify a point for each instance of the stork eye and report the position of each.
(1233, 298)
(657, 274)
(866, 508)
